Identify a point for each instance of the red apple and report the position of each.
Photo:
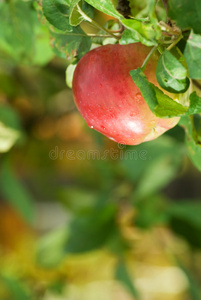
(109, 100)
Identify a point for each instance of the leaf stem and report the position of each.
(175, 42)
(173, 30)
(87, 18)
(99, 35)
(148, 58)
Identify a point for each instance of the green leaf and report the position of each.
(144, 28)
(187, 210)
(75, 15)
(129, 37)
(123, 276)
(159, 103)
(147, 9)
(70, 44)
(70, 197)
(16, 30)
(150, 212)
(15, 288)
(10, 128)
(117, 244)
(171, 74)
(42, 50)
(159, 173)
(9, 117)
(51, 248)
(194, 286)
(187, 14)
(15, 193)
(57, 13)
(8, 137)
(195, 104)
(184, 219)
(92, 230)
(106, 7)
(186, 230)
(192, 54)
(143, 32)
(139, 160)
(139, 8)
(22, 38)
(192, 141)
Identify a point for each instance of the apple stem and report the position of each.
(148, 57)
(87, 18)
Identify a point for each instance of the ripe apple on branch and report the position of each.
(106, 95)
(138, 67)
(109, 100)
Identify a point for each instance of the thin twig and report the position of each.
(100, 35)
(175, 42)
(148, 57)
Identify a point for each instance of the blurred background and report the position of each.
(82, 217)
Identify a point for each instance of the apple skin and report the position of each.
(109, 100)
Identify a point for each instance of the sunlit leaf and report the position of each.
(160, 104)
(106, 7)
(57, 13)
(8, 137)
(140, 31)
(10, 128)
(171, 74)
(192, 54)
(76, 7)
(51, 248)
